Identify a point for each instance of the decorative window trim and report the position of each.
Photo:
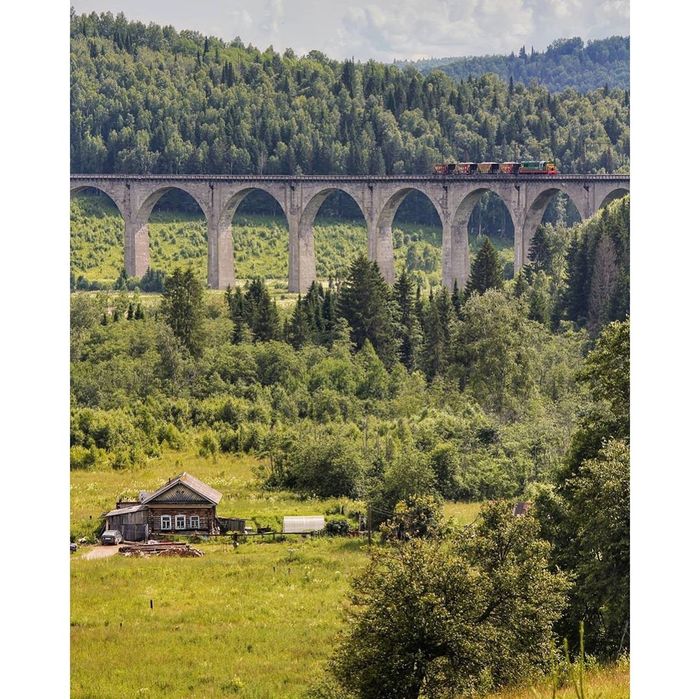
(180, 518)
(194, 521)
(166, 522)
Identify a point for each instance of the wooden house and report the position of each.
(183, 505)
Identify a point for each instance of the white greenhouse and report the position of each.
(303, 524)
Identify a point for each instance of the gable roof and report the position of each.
(206, 491)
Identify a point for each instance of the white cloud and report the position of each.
(385, 29)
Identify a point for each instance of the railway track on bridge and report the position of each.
(291, 179)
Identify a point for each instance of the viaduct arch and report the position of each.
(378, 198)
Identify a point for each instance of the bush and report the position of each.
(337, 526)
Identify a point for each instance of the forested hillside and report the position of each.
(151, 99)
(566, 63)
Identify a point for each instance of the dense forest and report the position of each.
(146, 98)
(566, 63)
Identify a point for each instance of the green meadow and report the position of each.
(256, 622)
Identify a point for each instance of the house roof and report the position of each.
(206, 491)
(521, 508)
(125, 510)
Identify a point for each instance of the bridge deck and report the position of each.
(358, 178)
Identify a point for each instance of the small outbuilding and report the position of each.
(521, 508)
(305, 524)
(183, 505)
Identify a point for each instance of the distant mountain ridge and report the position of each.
(566, 63)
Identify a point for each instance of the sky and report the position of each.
(384, 29)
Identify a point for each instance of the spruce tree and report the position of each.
(183, 308)
(435, 342)
(241, 329)
(487, 271)
(520, 285)
(297, 330)
(330, 315)
(365, 301)
(541, 251)
(407, 320)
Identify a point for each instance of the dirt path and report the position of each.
(100, 552)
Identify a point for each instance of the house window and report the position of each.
(166, 522)
(194, 522)
(180, 522)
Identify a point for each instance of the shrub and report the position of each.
(337, 526)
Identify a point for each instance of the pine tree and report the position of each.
(297, 330)
(365, 301)
(457, 299)
(261, 312)
(183, 308)
(121, 283)
(130, 312)
(139, 315)
(104, 320)
(487, 271)
(237, 312)
(435, 342)
(407, 320)
(541, 251)
(330, 315)
(520, 285)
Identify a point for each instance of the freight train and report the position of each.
(526, 167)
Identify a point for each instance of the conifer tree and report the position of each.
(541, 251)
(238, 316)
(130, 312)
(407, 320)
(457, 299)
(297, 330)
(487, 271)
(365, 301)
(183, 308)
(330, 315)
(435, 342)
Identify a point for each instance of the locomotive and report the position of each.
(526, 167)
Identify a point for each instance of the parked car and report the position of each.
(111, 537)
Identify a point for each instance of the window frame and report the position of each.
(163, 518)
(184, 522)
(192, 521)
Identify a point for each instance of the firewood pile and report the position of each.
(160, 548)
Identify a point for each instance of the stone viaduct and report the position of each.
(378, 197)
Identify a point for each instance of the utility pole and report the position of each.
(369, 525)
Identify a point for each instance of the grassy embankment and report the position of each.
(260, 244)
